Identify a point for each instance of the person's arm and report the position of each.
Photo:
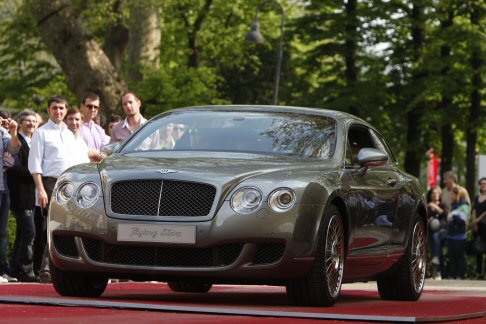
(41, 192)
(12, 129)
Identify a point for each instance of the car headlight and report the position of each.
(281, 199)
(87, 195)
(246, 200)
(64, 192)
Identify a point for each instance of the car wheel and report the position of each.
(189, 286)
(77, 284)
(322, 286)
(406, 281)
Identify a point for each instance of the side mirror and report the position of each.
(370, 157)
(110, 148)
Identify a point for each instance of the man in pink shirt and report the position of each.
(92, 133)
(131, 106)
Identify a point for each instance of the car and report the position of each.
(304, 198)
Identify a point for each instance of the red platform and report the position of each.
(124, 301)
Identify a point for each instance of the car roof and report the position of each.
(338, 115)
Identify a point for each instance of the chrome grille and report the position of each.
(162, 198)
(217, 256)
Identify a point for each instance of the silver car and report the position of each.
(299, 197)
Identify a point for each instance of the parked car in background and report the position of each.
(299, 197)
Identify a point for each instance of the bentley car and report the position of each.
(303, 198)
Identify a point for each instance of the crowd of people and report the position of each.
(457, 227)
(34, 153)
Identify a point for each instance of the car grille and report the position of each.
(162, 198)
(65, 246)
(218, 256)
(268, 253)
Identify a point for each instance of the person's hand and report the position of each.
(42, 199)
(12, 127)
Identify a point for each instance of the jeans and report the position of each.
(457, 257)
(437, 240)
(40, 240)
(23, 253)
(4, 211)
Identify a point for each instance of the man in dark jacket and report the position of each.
(22, 201)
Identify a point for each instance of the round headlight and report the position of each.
(281, 199)
(87, 195)
(64, 192)
(246, 200)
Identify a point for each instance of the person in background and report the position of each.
(22, 201)
(52, 150)
(131, 106)
(437, 220)
(91, 132)
(9, 144)
(478, 220)
(450, 182)
(456, 234)
(74, 121)
(114, 119)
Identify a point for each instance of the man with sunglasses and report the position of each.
(92, 133)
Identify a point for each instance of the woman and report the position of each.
(456, 234)
(437, 229)
(479, 223)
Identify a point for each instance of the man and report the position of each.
(93, 134)
(131, 107)
(450, 182)
(74, 121)
(9, 143)
(52, 150)
(22, 201)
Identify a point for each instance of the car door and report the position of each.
(374, 195)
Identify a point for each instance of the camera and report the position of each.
(5, 122)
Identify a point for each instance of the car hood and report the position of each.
(220, 170)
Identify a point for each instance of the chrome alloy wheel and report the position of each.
(334, 255)
(418, 250)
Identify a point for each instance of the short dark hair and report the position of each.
(58, 99)
(72, 111)
(114, 118)
(5, 114)
(129, 92)
(90, 95)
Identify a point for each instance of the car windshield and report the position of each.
(300, 135)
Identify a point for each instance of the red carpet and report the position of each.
(231, 303)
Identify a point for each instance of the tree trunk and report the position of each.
(144, 41)
(445, 105)
(413, 154)
(86, 66)
(350, 50)
(474, 114)
(116, 39)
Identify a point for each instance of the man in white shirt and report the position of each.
(52, 150)
(74, 121)
(131, 106)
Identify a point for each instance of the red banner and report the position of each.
(433, 168)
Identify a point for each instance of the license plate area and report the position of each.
(156, 233)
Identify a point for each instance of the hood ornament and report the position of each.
(166, 171)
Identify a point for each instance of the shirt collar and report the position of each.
(125, 122)
(60, 126)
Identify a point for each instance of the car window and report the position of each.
(300, 135)
(382, 146)
(359, 137)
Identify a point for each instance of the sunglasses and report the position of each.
(90, 106)
(181, 129)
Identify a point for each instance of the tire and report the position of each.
(189, 286)
(77, 284)
(322, 285)
(406, 280)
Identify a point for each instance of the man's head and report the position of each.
(178, 131)
(90, 106)
(114, 119)
(449, 179)
(73, 120)
(131, 104)
(5, 117)
(27, 120)
(57, 108)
